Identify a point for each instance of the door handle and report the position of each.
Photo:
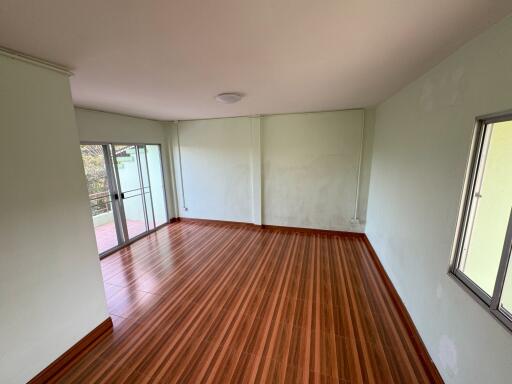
(116, 196)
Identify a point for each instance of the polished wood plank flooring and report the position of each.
(217, 303)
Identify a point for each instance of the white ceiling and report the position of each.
(167, 59)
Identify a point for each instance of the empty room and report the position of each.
(269, 191)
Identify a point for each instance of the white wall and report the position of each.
(97, 126)
(105, 127)
(295, 170)
(421, 147)
(310, 168)
(51, 290)
(215, 169)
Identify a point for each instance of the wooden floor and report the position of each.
(216, 303)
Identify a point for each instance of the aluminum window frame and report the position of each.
(476, 168)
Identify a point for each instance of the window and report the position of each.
(484, 239)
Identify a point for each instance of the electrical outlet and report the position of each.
(355, 221)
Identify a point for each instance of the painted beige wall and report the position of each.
(248, 168)
(215, 169)
(420, 152)
(97, 126)
(310, 169)
(364, 183)
(51, 290)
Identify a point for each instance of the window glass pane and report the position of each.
(490, 209)
(506, 296)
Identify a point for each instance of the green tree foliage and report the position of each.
(96, 174)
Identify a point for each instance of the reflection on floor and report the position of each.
(106, 236)
(218, 303)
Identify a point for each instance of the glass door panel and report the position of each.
(127, 161)
(100, 197)
(148, 202)
(154, 165)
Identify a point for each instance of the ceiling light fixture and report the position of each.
(229, 97)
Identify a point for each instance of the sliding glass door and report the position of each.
(126, 191)
(131, 188)
(101, 195)
(155, 180)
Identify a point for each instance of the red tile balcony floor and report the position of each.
(106, 236)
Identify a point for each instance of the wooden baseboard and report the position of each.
(273, 227)
(418, 344)
(59, 364)
(197, 220)
(312, 230)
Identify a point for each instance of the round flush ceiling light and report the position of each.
(229, 97)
